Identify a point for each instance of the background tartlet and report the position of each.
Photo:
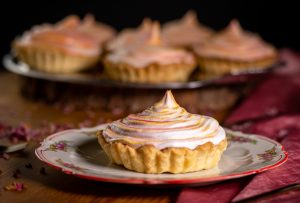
(150, 61)
(234, 50)
(68, 46)
(164, 138)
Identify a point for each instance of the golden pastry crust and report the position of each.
(153, 73)
(148, 159)
(215, 66)
(53, 60)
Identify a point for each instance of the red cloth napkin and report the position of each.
(218, 193)
(290, 197)
(273, 109)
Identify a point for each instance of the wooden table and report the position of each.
(54, 186)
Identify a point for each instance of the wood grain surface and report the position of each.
(51, 185)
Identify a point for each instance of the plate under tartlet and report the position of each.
(77, 152)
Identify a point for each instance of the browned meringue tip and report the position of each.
(190, 17)
(155, 35)
(70, 21)
(167, 101)
(234, 26)
(89, 19)
(146, 23)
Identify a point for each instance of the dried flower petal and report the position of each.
(20, 132)
(4, 156)
(15, 186)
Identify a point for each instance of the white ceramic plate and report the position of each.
(78, 153)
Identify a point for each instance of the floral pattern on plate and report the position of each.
(61, 145)
(268, 155)
(69, 165)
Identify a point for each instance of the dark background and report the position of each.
(276, 21)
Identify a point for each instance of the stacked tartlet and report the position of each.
(149, 61)
(68, 46)
(164, 138)
(234, 50)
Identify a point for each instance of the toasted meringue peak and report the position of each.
(146, 24)
(185, 32)
(155, 34)
(167, 101)
(71, 21)
(190, 18)
(88, 20)
(234, 28)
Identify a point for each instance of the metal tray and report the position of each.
(95, 77)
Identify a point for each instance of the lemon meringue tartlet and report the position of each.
(234, 50)
(149, 61)
(70, 45)
(164, 138)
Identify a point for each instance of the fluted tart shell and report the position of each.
(148, 159)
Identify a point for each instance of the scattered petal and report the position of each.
(5, 156)
(15, 186)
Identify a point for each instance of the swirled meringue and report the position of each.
(150, 51)
(64, 39)
(185, 32)
(70, 35)
(165, 125)
(234, 43)
(130, 39)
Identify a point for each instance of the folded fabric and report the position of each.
(290, 197)
(276, 95)
(219, 193)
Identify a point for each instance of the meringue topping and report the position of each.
(185, 32)
(234, 43)
(62, 38)
(130, 39)
(70, 34)
(150, 51)
(164, 125)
